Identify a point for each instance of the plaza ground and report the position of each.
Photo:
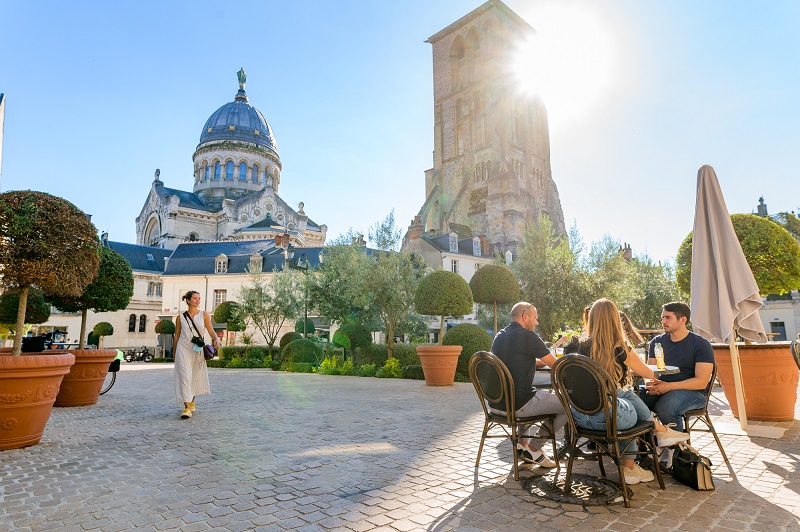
(279, 451)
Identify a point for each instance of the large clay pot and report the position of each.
(28, 387)
(439, 363)
(769, 378)
(82, 385)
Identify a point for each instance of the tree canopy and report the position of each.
(269, 300)
(494, 284)
(36, 311)
(443, 293)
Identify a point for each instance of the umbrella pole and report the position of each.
(737, 381)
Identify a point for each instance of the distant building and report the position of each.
(491, 152)
(237, 173)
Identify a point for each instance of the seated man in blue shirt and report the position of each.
(671, 395)
(520, 348)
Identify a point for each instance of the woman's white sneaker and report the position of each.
(636, 475)
(670, 437)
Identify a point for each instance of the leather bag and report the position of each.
(691, 468)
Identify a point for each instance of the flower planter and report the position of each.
(29, 384)
(769, 379)
(81, 386)
(439, 363)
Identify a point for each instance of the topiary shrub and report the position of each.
(352, 335)
(494, 284)
(443, 293)
(101, 329)
(372, 354)
(251, 352)
(289, 337)
(302, 351)
(771, 251)
(406, 354)
(37, 309)
(391, 370)
(472, 338)
(165, 327)
(309, 327)
(228, 312)
(215, 363)
(413, 372)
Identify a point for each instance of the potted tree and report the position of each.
(441, 293)
(47, 242)
(109, 291)
(768, 370)
(493, 284)
(102, 329)
(228, 312)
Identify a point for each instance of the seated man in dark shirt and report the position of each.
(671, 395)
(519, 348)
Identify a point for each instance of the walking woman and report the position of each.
(609, 346)
(191, 372)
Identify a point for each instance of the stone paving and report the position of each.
(277, 451)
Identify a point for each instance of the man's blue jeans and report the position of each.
(630, 410)
(671, 406)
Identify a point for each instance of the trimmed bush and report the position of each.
(37, 310)
(310, 327)
(352, 335)
(227, 312)
(406, 354)
(443, 293)
(472, 338)
(257, 352)
(367, 370)
(335, 366)
(103, 329)
(289, 337)
(216, 363)
(165, 327)
(297, 367)
(302, 351)
(161, 360)
(494, 284)
(377, 354)
(413, 372)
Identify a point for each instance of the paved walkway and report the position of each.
(278, 451)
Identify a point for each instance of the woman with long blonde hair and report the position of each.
(608, 345)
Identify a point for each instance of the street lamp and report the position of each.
(288, 255)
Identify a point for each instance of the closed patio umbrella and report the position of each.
(724, 294)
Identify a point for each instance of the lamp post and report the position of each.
(288, 255)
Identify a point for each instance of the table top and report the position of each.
(668, 371)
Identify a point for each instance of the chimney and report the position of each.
(627, 252)
(416, 228)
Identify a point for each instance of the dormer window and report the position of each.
(453, 243)
(221, 264)
(509, 258)
(256, 262)
(476, 246)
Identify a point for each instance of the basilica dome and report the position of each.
(239, 121)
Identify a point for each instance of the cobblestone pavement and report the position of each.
(278, 451)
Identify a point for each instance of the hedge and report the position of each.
(302, 351)
(378, 353)
(259, 352)
(289, 337)
(472, 338)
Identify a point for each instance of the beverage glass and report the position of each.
(559, 352)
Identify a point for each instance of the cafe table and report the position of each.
(669, 370)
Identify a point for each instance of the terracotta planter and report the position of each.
(28, 387)
(769, 378)
(81, 386)
(439, 363)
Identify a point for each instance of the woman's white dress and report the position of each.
(191, 372)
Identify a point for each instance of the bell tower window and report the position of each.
(242, 171)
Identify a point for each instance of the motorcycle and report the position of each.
(139, 355)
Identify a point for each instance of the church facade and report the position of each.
(237, 173)
(491, 171)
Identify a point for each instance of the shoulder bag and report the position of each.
(208, 350)
(691, 468)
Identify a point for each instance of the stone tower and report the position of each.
(491, 155)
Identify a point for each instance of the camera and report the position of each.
(198, 341)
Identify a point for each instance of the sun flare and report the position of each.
(569, 62)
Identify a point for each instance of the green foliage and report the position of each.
(772, 253)
(414, 325)
(103, 328)
(297, 367)
(366, 370)
(406, 354)
(472, 338)
(289, 337)
(386, 234)
(652, 285)
(442, 293)
(214, 363)
(788, 221)
(378, 354)
(165, 327)
(269, 300)
(309, 326)
(390, 370)
(336, 366)
(237, 362)
(229, 313)
(36, 311)
(302, 351)
(254, 352)
(485, 315)
(352, 335)
(413, 372)
(494, 284)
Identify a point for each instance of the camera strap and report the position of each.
(190, 320)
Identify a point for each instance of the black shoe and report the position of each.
(591, 445)
(645, 462)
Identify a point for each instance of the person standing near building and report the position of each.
(191, 372)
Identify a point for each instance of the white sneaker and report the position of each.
(670, 437)
(535, 457)
(636, 475)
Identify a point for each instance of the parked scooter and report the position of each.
(139, 355)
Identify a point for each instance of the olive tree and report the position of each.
(109, 291)
(47, 242)
(269, 300)
(228, 312)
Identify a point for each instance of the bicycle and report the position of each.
(111, 376)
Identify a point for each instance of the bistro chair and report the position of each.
(795, 348)
(494, 384)
(701, 414)
(583, 385)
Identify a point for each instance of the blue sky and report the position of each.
(641, 94)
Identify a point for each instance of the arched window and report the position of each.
(192, 237)
(254, 173)
(206, 172)
(216, 170)
(142, 322)
(132, 323)
(458, 64)
(229, 170)
(242, 171)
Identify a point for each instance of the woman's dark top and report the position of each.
(583, 346)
